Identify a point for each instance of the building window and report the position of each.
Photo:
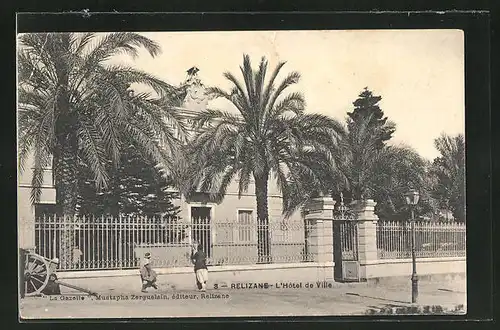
(44, 209)
(245, 225)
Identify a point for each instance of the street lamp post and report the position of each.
(411, 200)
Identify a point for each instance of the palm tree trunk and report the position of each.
(263, 238)
(67, 196)
(67, 183)
(67, 156)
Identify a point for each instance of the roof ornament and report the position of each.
(193, 71)
(196, 98)
(192, 77)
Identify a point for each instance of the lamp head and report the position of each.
(412, 197)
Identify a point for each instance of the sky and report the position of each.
(418, 73)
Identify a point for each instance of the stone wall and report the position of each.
(441, 269)
(425, 267)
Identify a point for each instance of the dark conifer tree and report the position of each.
(366, 108)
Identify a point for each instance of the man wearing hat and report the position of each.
(147, 257)
(148, 275)
(52, 287)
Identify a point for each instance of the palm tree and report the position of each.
(449, 170)
(270, 138)
(74, 106)
(363, 154)
(374, 170)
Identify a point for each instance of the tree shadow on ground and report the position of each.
(390, 309)
(377, 298)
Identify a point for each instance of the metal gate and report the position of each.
(345, 244)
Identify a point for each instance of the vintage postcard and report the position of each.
(242, 173)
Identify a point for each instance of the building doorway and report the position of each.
(201, 227)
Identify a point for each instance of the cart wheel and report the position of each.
(36, 274)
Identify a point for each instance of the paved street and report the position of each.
(342, 299)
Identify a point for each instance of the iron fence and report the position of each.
(432, 239)
(91, 243)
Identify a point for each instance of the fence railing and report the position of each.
(84, 243)
(432, 239)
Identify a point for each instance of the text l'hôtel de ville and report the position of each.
(277, 285)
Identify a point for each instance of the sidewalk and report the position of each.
(341, 299)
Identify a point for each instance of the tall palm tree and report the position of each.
(271, 137)
(363, 154)
(74, 106)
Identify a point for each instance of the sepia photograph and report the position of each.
(241, 173)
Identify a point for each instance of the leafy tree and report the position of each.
(139, 189)
(75, 107)
(449, 171)
(396, 170)
(271, 138)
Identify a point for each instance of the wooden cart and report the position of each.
(36, 271)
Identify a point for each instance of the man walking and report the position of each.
(148, 275)
(199, 260)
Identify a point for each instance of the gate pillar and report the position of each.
(319, 240)
(367, 235)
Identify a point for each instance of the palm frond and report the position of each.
(248, 77)
(270, 85)
(242, 93)
(25, 146)
(40, 164)
(144, 138)
(291, 79)
(129, 76)
(217, 92)
(260, 80)
(215, 116)
(41, 47)
(293, 102)
(106, 123)
(151, 114)
(93, 151)
(80, 41)
(244, 178)
(30, 72)
(113, 44)
(122, 42)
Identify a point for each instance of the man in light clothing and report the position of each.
(77, 255)
(199, 260)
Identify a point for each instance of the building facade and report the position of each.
(225, 229)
